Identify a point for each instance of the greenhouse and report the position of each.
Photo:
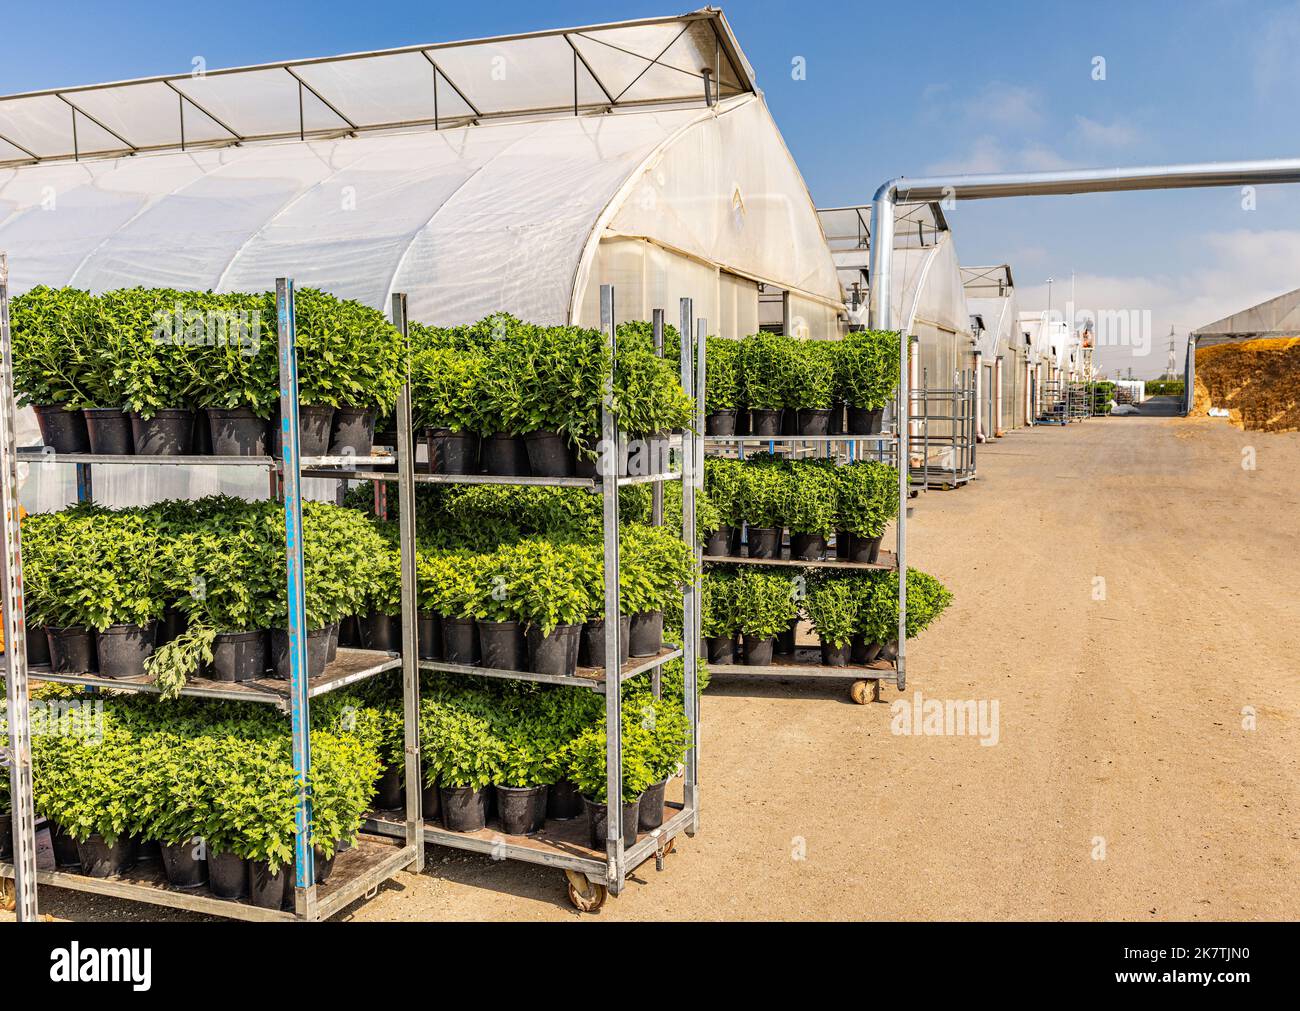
(509, 174)
(991, 299)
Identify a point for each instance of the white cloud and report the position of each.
(1094, 134)
(1014, 106)
(990, 154)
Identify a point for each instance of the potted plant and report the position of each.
(719, 620)
(722, 368)
(927, 599)
(449, 407)
(553, 599)
(668, 737)
(810, 509)
(766, 491)
(463, 757)
(497, 604)
(867, 499)
(812, 386)
(833, 608)
(866, 374)
(47, 325)
(770, 363)
(241, 367)
(587, 769)
(654, 563)
(523, 780)
(765, 607)
(723, 480)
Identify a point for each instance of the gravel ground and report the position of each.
(1125, 593)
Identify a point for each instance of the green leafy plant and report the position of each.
(867, 368)
(723, 483)
(349, 355)
(866, 497)
(48, 332)
(719, 616)
(811, 500)
(447, 390)
(722, 374)
(927, 599)
(771, 367)
(812, 376)
(766, 493)
(833, 607)
(766, 603)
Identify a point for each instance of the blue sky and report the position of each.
(891, 89)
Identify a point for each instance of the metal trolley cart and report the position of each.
(593, 875)
(357, 871)
(889, 447)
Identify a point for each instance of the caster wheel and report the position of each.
(8, 897)
(863, 692)
(585, 896)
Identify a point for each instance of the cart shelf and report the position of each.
(887, 561)
(348, 668)
(341, 463)
(586, 483)
(724, 439)
(805, 662)
(586, 677)
(357, 871)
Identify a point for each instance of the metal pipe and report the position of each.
(998, 431)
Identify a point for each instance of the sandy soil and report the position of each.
(1123, 784)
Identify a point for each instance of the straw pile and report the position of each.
(1257, 381)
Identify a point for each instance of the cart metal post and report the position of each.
(18, 714)
(410, 624)
(692, 471)
(609, 472)
(299, 706)
(904, 411)
(657, 492)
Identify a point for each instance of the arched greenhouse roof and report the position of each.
(500, 201)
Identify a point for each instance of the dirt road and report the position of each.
(1126, 592)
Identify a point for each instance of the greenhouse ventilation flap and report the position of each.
(500, 201)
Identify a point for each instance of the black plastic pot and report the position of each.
(865, 549)
(63, 431)
(764, 542)
(721, 422)
(269, 889)
(170, 432)
(464, 809)
(228, 876)
(757, 652)
(353, 432)
(123, 649)
(865, 422)
(429, 804)
(836, 656)
(109, 431)
(522, 810)
(333, 650)
(814, 421)
(38, 646)
(72, 650)
(315, 422)
(318, 652)
(598, 820)
(548, 454)
(722, 649)
(238, 432)
(349, 633)
(737, 540)
(452, 452)
(591, 651)
(785, 641)
(173, 625)
(100, 860)
(647, 633)
(888, 651)
(502, 645)
(382, 632)
(238, 656)
(460, 641)
(765, 421)
(646, 455)
(390, 794)
(66, 854)
(807, 547)
(147, 851)
(744, 423)
(6, 837)
(505, 455)
(556, 653)
(863, 652)
(837, 419)
(184, 868)
(584, 465)
(652, 807)
(718, 544)
(563, 801)
(429, 635)
(790, 421)
(843, 545)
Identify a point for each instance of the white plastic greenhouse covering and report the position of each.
(523, 203)
(991, 295)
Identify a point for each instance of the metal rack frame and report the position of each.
(368, 864)
(558, 845)
(889, 447)
(946, 424)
